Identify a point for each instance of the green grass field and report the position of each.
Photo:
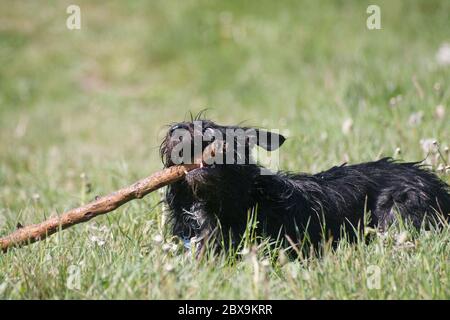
(82, 113)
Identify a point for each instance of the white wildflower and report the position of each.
(168, 267)
(428, 145)
(440, 111)
(158, 238)
(415, 118)
(443, 55)
(347, 126)
(97, 240)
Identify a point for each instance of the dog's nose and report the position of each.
(178, 126)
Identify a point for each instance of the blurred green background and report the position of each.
(82, 112)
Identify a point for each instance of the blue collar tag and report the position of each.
(187, 243)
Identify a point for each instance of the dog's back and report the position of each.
(340, 197)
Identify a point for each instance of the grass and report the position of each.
(82, 113)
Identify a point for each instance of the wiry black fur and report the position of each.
(219, 197)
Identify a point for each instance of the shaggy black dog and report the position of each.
(217, 198)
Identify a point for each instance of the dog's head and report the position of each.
(186, 141)
(221, 187)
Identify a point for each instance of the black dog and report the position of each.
(219, 197)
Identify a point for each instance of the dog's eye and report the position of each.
(208, 132)
(178, 126)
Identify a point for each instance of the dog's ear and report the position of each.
(269, 140)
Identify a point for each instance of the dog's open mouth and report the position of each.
(207, 158)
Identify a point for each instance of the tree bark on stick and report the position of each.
(36, 232)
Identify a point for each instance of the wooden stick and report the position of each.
(36, 232)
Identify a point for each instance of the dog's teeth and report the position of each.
(185, 172)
